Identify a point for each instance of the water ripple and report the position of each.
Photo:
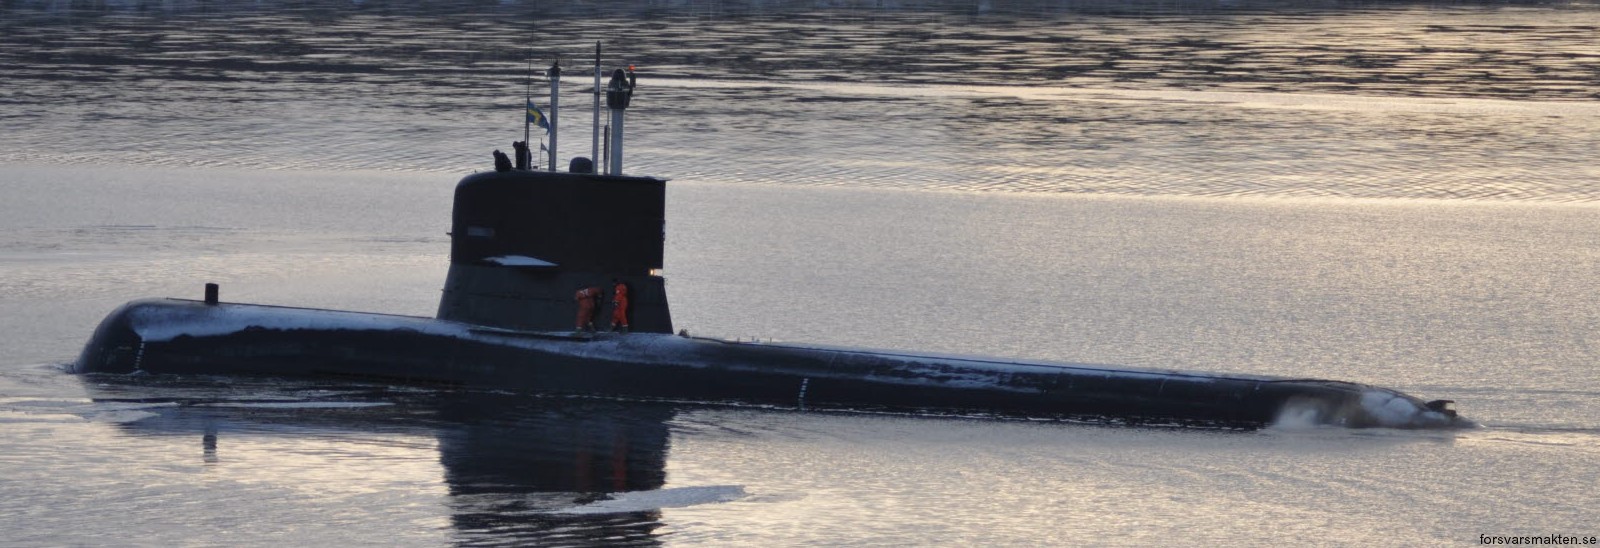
(1464, 102)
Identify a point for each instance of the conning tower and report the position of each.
(522, 242)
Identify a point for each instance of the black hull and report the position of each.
(190, 337)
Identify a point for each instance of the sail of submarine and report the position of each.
(523, 240)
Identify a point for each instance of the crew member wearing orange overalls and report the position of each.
(619, 306)
(586, 298)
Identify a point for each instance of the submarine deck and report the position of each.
(193, 337)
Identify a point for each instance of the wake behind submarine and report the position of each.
(523, 239)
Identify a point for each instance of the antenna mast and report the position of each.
(595, 142)
(527, 101)
(555, 109)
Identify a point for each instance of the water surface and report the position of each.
(1399, 194)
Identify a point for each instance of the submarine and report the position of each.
(524, 239)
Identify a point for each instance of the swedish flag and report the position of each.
(536, 116)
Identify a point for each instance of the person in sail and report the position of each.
(501, 161)
(523, 156)
(586, 297)
(619, 305)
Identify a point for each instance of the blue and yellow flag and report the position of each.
(536, 116)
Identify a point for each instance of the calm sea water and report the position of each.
(1401, 194)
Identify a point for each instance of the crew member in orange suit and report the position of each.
(586, 298)
(619, 305)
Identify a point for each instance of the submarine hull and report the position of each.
(173, 336)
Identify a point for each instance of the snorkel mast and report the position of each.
(618, 94)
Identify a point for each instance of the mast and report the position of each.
(555, 98)
(527, 101)
(594, 146)
(618, 95)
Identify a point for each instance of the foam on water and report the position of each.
(37, 410)
(1376, 407)
(298, 405)
(674, 497)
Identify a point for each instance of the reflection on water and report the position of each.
(518, 470)
(514, 465)
(1418, 100)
